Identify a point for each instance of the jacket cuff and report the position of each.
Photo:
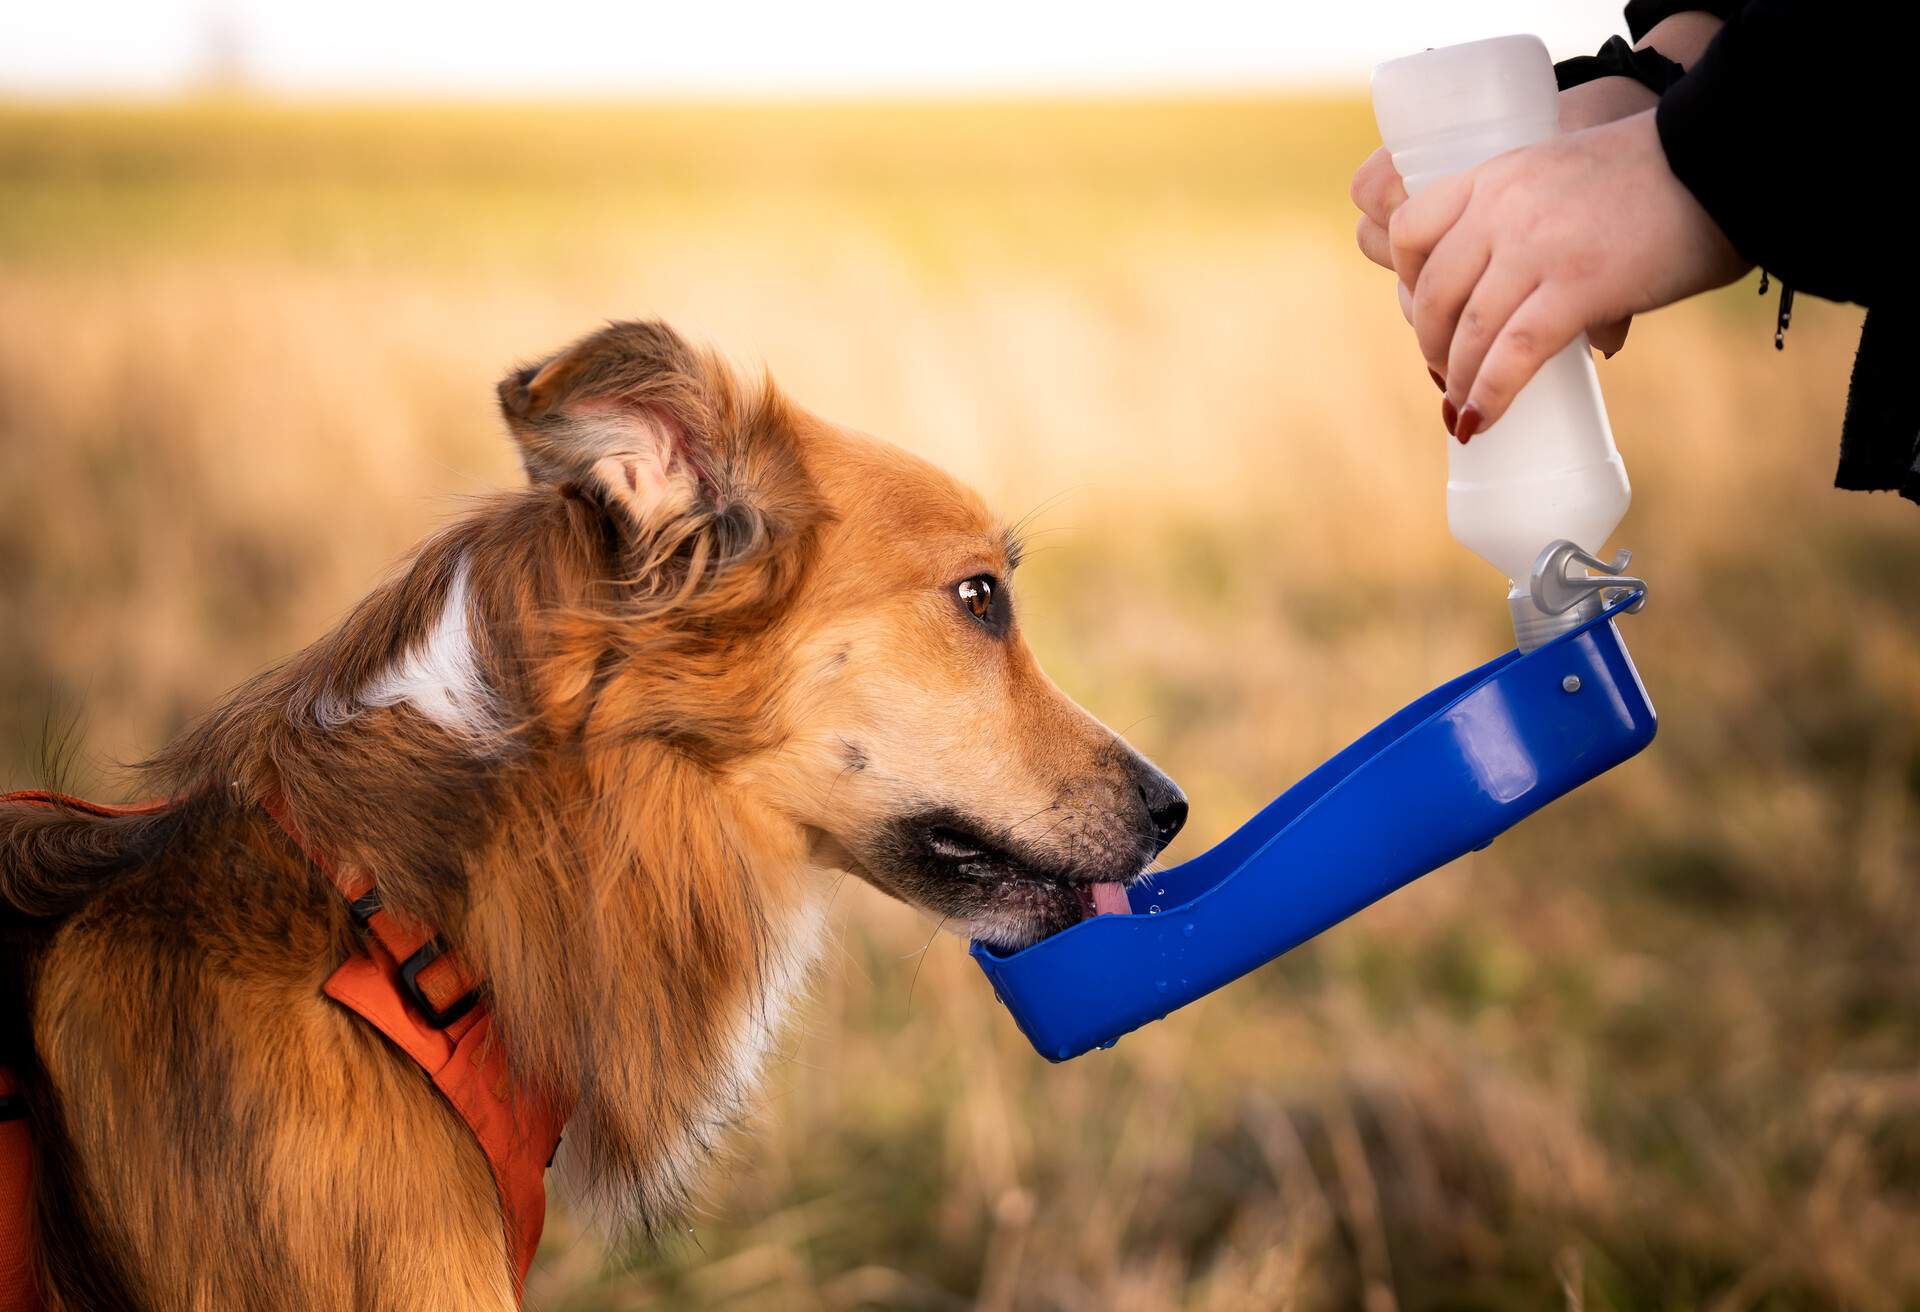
(1775, 157)
(1706, 122)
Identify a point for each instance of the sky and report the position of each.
(547, 48)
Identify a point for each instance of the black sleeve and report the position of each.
(1645, 15)
(1794, 132)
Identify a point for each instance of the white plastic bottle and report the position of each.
(1548, 469)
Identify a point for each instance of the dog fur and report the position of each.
(615, 734)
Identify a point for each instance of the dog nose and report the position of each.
(1166, 805)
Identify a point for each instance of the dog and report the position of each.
(614, 736)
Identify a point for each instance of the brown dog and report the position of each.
(613, 734)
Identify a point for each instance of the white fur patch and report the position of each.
(439, 676)
(754, 1037)
(783, 978)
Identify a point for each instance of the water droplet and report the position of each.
(1108, 1044)
(1063, 1053)
(1154, 910)
(1159, 892)
(1161, 985)
(1187, 929)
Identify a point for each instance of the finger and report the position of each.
(1446, 282)
(1417, 226)
(1542, 325)
(1500, 291)
(1610, 337)
(1377, 190)
(1373, 242)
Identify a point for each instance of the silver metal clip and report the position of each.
(1556, 588)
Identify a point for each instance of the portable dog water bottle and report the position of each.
(1548, 469)
(1455, 768)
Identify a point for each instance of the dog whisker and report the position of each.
(914, 983)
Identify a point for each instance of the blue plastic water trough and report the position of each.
(1443, 777)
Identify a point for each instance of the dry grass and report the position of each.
(1657, 1048)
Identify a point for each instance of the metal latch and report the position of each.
(1556, 588)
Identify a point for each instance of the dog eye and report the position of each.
(977, 595)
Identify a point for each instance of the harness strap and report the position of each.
(19, 1291)
(52, 801)
(430, 1005)
(417, 993)
(434, 979)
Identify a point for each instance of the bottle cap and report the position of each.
(1534, 628)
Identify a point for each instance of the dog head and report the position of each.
(832, 627)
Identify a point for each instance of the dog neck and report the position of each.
(681, 927)
(469, 739)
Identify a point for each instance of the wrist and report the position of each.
(1696, 255)
(1603, 100)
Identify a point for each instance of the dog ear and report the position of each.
(625, 414)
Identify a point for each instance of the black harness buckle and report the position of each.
(437, 1017)
(365, 907)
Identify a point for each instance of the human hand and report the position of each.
(1377, 191)
(1510, 261)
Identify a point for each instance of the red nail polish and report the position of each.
(1469, 423)
(1438, 381)
(1447, 413)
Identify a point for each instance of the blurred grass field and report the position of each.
(1657, 1048)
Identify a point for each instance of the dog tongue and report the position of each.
(1110, 900)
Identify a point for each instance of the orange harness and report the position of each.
(408, 986)
(17, 1292)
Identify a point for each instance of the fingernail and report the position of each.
(1469, 423)
(1447, 413)
(1608, 355)
(1438, 381)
